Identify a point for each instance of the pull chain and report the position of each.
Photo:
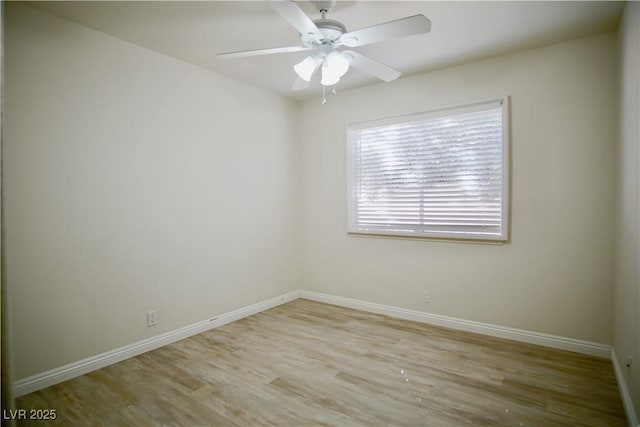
(324, 94)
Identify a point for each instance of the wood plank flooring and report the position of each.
(306, 363)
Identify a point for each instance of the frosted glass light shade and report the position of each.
(338, 63)
(329, 76)
(305, 68)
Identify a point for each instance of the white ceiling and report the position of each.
(461, 32)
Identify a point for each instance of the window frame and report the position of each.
(502, 237)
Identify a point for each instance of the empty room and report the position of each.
(293, 213)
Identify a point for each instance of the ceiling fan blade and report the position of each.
(292, 13)
(371, 66)
(245, 53)
(300, 84)
(416, 24)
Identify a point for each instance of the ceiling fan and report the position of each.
(327, 39)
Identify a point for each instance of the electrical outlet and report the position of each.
(152, 317)
(426, 296)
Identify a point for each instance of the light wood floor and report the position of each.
(306, 363)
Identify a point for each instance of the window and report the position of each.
(440, 174)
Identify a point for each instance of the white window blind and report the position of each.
(438, 174)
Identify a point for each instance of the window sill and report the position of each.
(482, 240)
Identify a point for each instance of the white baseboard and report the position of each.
(627, 402)
(553, 341)
(75, 369)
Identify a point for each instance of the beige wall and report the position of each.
(135, 182)
(626, 336)
(556, 274)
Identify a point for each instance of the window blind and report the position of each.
(439, 174)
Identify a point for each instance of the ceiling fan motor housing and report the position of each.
(332, 30)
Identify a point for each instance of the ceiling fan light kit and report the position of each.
(326, 36)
